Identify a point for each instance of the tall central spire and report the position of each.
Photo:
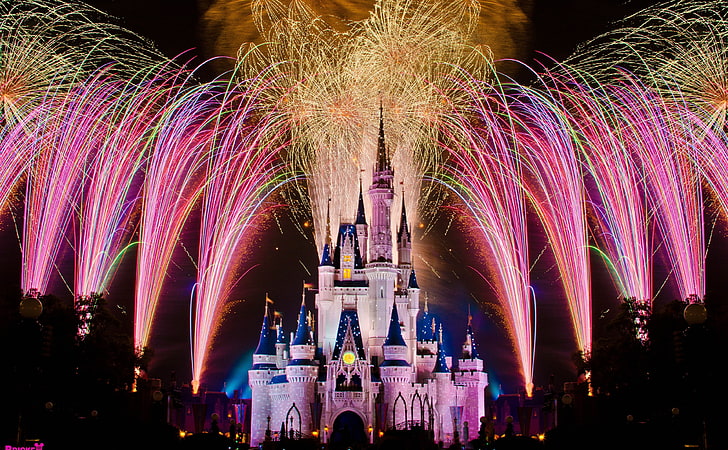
(383, 163)
(381, 194)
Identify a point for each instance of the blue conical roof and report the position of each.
(360, 217)
(440, 362)
(473, 345)
(326, 256)
(413, 281)
(426, 325)
(303, 332)
(267, 341)
(394, 336)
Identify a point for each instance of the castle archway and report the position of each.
(348, 431)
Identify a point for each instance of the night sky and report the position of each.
(279, 257)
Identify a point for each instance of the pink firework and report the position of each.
(661, 142)
(173, 182)
(244, 169)
(483, 170)
(65, 137)
(618, 198)
(112, 182)
(554, 184)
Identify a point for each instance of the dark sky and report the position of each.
(555, 28)
(279, 260)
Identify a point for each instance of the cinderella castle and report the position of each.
(369, 367)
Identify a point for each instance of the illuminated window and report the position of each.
(347, 274)
(347, 258)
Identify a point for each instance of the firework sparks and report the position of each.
(173, 182)
(554, 184)
(484, 171)
(401, 57)
(244, 169)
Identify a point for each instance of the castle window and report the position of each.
(347, 274)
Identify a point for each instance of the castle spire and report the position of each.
(441, 361)
(360, 217)
(326, 254)
(303, 332)
(394, 335)
(383, 163)
(328, 222)
(403, 225)
(268, 335)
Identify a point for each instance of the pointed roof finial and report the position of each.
(470, 317)
(427, 298)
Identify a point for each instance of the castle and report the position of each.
(368, 369)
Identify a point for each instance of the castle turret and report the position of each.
(301, 373)
(472, 377)
(444, 389)
(395, 371)
(325, 295)
(263, 370)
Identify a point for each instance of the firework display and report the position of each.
(106, 147)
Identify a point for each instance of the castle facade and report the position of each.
(367, 368)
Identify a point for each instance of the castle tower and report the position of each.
(263, 370)
(325, 296)
(381, 274)
(381, 194)
(396, 373)
(444, 391)
(471, 375)
(301, 373)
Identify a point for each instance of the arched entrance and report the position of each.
(348, 431)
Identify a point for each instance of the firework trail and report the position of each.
(244, 168)
(618, 198)
(17, 151)
(554, 184)
(483, 169)
(113, 180)
(67, 136)
(173, 182)
(662, 144)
